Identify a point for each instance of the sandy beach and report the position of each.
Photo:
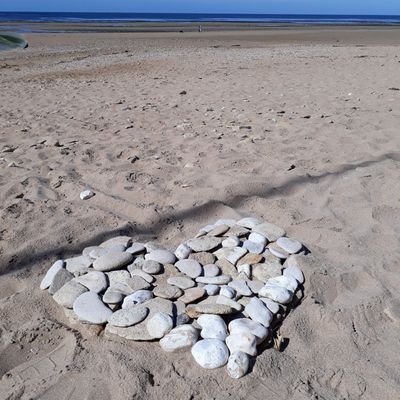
(299, 127)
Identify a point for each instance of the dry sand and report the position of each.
(297, 127)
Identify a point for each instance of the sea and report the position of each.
(121, 18)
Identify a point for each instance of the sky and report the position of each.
(378, 7)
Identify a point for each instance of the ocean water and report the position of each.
(30, 17)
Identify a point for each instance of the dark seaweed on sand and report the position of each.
(9, 41)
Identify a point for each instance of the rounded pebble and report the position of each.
(210, 353)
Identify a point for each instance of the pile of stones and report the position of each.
(219, 294)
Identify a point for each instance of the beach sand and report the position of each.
(298, 127)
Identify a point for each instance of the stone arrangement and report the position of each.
(218, 295)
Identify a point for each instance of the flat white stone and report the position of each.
(284, 281)
(259, 312)
(95, 281)
(69, 293)
(50, 274)
(189, 267)
(244, 341)
(112, 297)
(244, 269)
(222, 300)
(153, 246)
(255, 286)
(144, 275)
(86, 251)
(181, 282)
(214, 280)
(98, 252)
(271, 305)
(182, 251)
(136, 248)
(78, 265)
(258, 238)
(263, 272)
(270, 231)
(213, 327)
(228, 292)
(86, 195)
(161, 256)
(211, 270)
(240, 287)
(246, 325)
(293, 269)
(210, 353)
(211, 289)
(238, 365)
(277, 251)
(291, 246)
(128, 317)
(166, 291)
(181, 338)
(248, 222)
(111, 261)
(126, 241)
(226, 221)
(152, 267)
(231, 241)
(204, 243)
(232, 254)
(159, 325)
(252, 247)
(116, 277)
(139, 297)
(276, 293)
(89, 308)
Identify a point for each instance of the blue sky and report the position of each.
(388, 7)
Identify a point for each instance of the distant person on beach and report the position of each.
(200, 28)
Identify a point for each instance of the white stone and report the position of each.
(252, 247)
(112, 297)
(293, 269)
(211, 270)
(231, 241)
(271, 305)
(246, 325)
(161, 256)
(116, 277)
(244, 269)
(270, 231)
(98, 252)
(126, 241)
(240, 287)
(287, 282)
(213, 327)
(276, 293)
(263, 272)
(181, 282)
(228, 292)
(226, 221)
(152, 267)
(277, 251)
(128, 317)
(229, 302)
(255, 286)
(78, 265)
(258, 238)
(248, 222)
(232, 254)
(211, 290)
(89, 308)
(66, 295)
(244, 341)
(159, 325)
(86, 195)
(258, 311)
(50, 274)
(291, 246)
(214, 280)
(139, 297)
(144, 275)
(238, 365)
(182, 251)
(210, 353)
(136, 248)
(204, 243)
(189, 267)
(95, 281)
(180, 338)
(111, 261)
